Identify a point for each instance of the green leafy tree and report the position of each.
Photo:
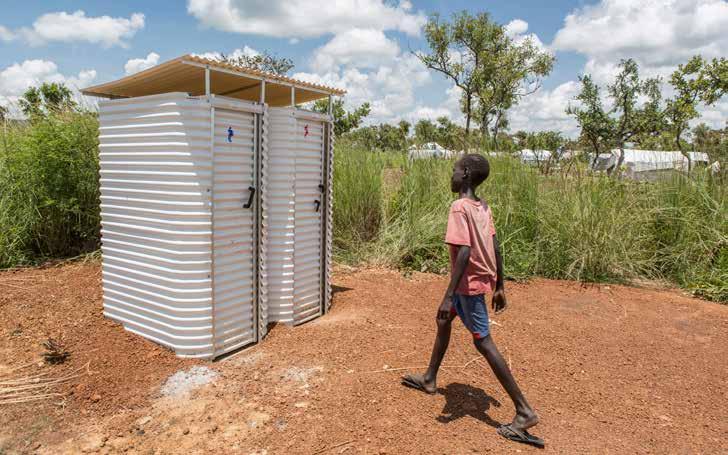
(262, 62)
(49, 97)
(631, 120)
(693, 82)
(404, 127)
(457, 49)
(595, 124)
(714, 142)
(508, 72)
(627, 119)
(425, 131)
(344, 121)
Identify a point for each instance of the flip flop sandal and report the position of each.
(414, 383)
(523, 436)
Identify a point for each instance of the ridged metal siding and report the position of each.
(329, 214)
(156, 173)
(292, 227)
(307, 269)
(181, 261)
(234, 226)
(278, 215)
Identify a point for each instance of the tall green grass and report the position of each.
(49, 198)
(392, 212)
(588, 228)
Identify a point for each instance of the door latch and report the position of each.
(318, 204)
(250, 198)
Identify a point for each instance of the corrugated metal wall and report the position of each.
(295, 205)
(235, 139)
(329, 220)
(184, 262)
(156, 174)
(309, 209)
(278, 215)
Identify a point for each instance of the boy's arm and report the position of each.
(499, 280)
(499, 295)
(461, 262)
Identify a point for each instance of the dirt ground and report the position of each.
(609, 369)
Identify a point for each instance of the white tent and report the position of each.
(648, 161)
(534, 156)
(430, 150)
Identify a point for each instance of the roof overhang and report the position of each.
(188, 74)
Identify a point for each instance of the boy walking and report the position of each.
(477, 269)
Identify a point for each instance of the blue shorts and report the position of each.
(473, 312)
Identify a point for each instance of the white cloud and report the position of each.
(138, 64)
(359, 48)
(214, 55)
(18, 77)
(655, 32)
(546, 110)
(389, 88)
(6, 35)
(658, 34)
(516, 27)
(303, 19)
(449, 108)
(77, 27)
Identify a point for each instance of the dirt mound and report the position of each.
(608, 368)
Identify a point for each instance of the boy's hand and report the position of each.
(444, 311)
(499, 300)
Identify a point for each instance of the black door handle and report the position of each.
(321, 187)
(318, 204)
(250, 198)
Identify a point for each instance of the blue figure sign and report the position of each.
(231, 133)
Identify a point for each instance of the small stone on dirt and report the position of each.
(95, 397)
(93, 443)
(144, 420)
(183, 382)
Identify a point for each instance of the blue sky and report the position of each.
(361, 45)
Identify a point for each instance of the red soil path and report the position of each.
(609, 369)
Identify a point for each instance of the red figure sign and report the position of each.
(305, 131)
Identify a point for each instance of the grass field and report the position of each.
(392, 212)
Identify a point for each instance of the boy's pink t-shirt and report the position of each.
(470, 223)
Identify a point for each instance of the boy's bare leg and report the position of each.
(525, 416)
(442, 340)
(428, 381)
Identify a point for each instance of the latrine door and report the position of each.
(235, 139)
(309, 211)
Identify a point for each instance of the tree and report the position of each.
(509, 71)
(695, 81)
(457, 49)
(596, 125)
(49, 97)
(262, 62)
(344, 121)
(710, 141)
(404, 127)
(626, 120)
(425, 131)
(3, 113)
(630, 120)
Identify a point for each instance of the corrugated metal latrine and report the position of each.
(216, 218)
(296, 215)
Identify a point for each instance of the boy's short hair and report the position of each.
(478, 166)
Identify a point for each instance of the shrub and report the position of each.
(49, 205)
